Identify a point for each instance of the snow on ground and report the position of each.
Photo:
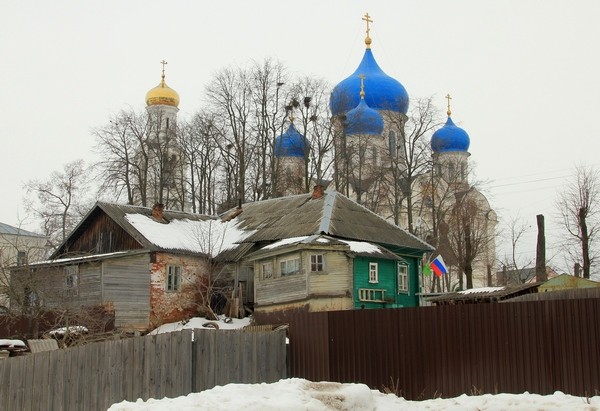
(301, 395)
(224, 323)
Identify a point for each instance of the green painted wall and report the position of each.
(387, 280)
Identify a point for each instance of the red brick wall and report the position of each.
(173, 306)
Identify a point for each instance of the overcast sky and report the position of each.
(523, 75)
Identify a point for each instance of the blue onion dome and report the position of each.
(291, 144)
(450, 138)
(385, 92)
(363, 120)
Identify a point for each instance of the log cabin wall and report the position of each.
(102, 236)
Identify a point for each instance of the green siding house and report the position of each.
(386, 281)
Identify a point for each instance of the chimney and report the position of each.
(157, 211)
(318, 192)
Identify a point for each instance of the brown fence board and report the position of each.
(536, 346)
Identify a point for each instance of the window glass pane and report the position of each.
(290, 266)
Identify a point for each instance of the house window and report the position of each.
(21, 258)
(402, 278)
(173, 277)
(266, 270)
(72, 280)
(291, 266)
(317, 263)
(373, 273)
(371, 295)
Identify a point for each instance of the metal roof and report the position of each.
(333, 214)
(6, 229)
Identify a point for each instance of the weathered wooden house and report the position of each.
(148, 264)
(323, 251)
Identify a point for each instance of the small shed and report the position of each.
(484, 294)
(567, 282)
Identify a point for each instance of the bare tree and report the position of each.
(123, 168)
(198, 140)
(229, 97)
(578, 205)
(469, 231)
(60, 201)
(312, 113)
(516, 266)
(410, 156)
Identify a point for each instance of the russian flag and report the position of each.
(438, 266)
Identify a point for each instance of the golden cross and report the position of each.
(362, 85)
(163, 62)
(367, 18)
(448, 98)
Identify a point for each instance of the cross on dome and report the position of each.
(362, 86)
(164, 63)
(368, 20)
(448, 98)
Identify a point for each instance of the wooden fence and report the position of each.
(94, 376)
(540, 347)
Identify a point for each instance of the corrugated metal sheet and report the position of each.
(42, 345)
(540, 347)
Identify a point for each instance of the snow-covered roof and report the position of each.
(356, 247)
(482, 290)
(198, 236)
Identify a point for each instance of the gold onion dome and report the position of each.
(162, 94)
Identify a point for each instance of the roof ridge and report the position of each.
(327, 211)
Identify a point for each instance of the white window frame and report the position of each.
(173, 282)
(373, 273)
(317, 263)
(267, 270)
(72, 280)
(403, 284)
(371, 295)
(284, 264)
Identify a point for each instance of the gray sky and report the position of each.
(523, 75)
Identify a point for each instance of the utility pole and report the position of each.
(540, 255)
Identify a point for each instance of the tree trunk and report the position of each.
(585, 242)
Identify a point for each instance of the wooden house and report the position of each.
(146, 264)
(323, 251)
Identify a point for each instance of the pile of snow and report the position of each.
(223, 323)
(12, 344)
(74, 329)
(302, 395)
